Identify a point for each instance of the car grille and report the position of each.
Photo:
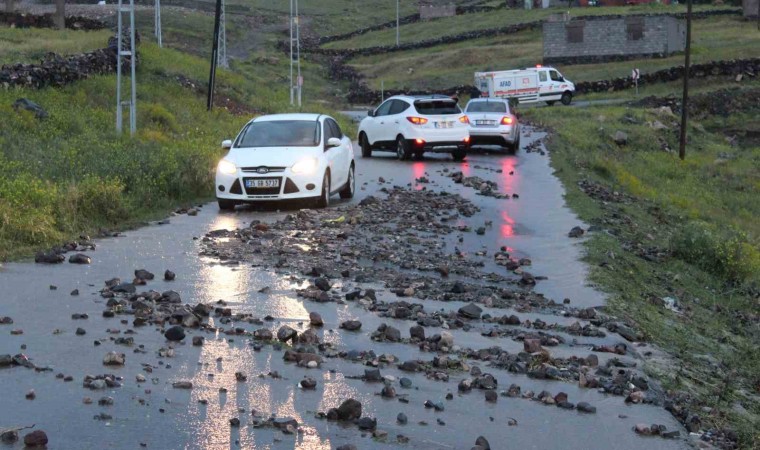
(264, 169)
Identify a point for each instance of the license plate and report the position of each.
(262, 183)
(485, 122)
(444, 124)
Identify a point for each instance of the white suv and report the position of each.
(411, 125)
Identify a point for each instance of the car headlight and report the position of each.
(306, 165)
(227, 167)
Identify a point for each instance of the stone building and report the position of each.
(750, 8)
(608, 38)
(433, 11)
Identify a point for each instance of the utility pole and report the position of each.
(157, 23)
(121, 55)
(295, 55)
(214, 56)
(397, 22)
(223, 40)
(685, 100)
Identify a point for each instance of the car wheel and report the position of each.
(348, 191)
(366, 148)
(459, 154)
(324, 198)
(226, 205)
(418, 155)
(515, 146)
(402, 149)
(566, 98)
(550, 103)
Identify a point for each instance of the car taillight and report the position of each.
(467, 140)
(417, 120)
(507, 120)
(464, 119)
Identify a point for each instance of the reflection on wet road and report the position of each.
(534, 226)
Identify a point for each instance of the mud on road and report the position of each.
(444, 303)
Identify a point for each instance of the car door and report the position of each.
(378, 124)
(332, 154)
(340, 154)
(555, 86)
(396, 119)
(544, 84)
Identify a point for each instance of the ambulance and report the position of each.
(529, 85)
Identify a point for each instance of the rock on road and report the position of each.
(218, 392)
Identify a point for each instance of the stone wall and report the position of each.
(20, 20)
(359, 93)
(595, 39)
(313, 46)
(56, 70)
(405, 20)
(746, 67)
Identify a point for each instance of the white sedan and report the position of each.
(493, 123)
(286, 157)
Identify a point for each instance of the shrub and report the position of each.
(161, 116)
(726, 253)
(95, 199)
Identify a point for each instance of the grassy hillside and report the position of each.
(725, 37)
(684, 232)
(449, 26)
(30, 45)
(71, 173)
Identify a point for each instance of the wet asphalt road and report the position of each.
(160, 417)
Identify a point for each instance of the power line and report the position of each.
(295, 56)
(157, 23)
(223, 39)
(685, 100)
(121, 55)
(214, 56)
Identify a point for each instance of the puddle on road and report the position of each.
(534, 226)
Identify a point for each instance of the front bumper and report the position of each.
(291, 186)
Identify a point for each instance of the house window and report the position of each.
(575, 31)
(634, 28)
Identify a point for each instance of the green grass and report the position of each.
(453, 64)
(702, 213)
(71, 173)
(450, 26)
(30, 45)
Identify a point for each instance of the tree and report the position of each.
(60, 14)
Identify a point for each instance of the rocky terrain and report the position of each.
(414, 315)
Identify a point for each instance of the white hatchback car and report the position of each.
(492, 123)
(411, 125)
(286, 157)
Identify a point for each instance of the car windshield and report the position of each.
(437, 107)
(487, 107)
(280, 133)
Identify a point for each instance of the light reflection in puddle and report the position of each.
(419, 171)
(220, 282)
(508, 182)
(507, 228)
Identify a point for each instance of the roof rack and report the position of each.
(431, 96)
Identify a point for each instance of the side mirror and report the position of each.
(333, 142)
(371, 113)
(226, 144)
